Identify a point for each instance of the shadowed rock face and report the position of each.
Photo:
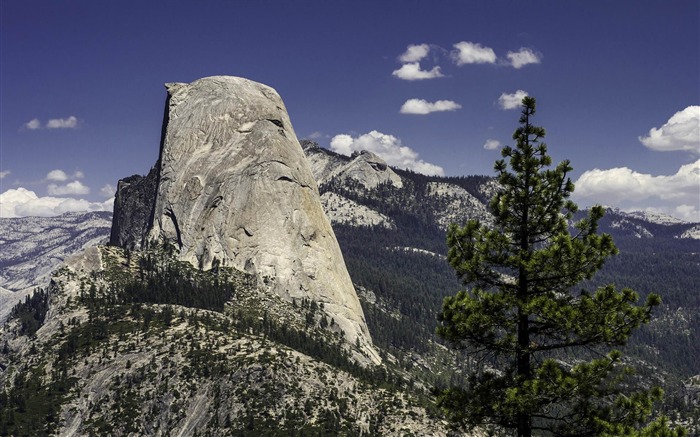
(133, 204)
(234, 187)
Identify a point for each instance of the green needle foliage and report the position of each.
(546, 363)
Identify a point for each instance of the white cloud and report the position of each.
(523, 57)
(57, 175)
(677, 194)
(33, 124)
(4, 173)
(62, 123)
(415, 53)
(512, 101)
(108, 190)
(315, 135)
(689, 213)
(680, 132)
(492, 144)
(412, 71)
(54, 123)
(61, 176)
(473, 53)
(21, 202)
(420, 106)
(388, 147)
(71, 188)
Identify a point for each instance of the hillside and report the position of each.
(391, 229)
(404, 265)
(142, 343)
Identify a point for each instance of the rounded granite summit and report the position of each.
(234, 187)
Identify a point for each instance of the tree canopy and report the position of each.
(547, 363)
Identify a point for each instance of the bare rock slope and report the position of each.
(234, 189)
(364, 168)
(31, 247)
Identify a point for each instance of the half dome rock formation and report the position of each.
(235, 189)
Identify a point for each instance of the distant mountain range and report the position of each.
(352, 190)
(32, 247)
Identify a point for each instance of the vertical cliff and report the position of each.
(233, 187)
(133, 206)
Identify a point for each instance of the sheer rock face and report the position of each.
(133, 204)
(234, 188)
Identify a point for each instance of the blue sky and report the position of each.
(617, 85)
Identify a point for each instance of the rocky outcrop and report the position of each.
(348, 212)
(133, 205)
(370, 170)
(693, 233)
(457, 205)
(323, 162)
(234, 188)
(364, 168)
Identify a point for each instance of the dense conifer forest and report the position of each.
(414, 283)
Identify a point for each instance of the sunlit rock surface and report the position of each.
(235, 188)
(364, 168)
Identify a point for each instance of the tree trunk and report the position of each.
(523, 357)
(523, 362)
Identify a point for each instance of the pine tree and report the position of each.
(547, 363)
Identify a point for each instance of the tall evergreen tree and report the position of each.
(547, 366)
